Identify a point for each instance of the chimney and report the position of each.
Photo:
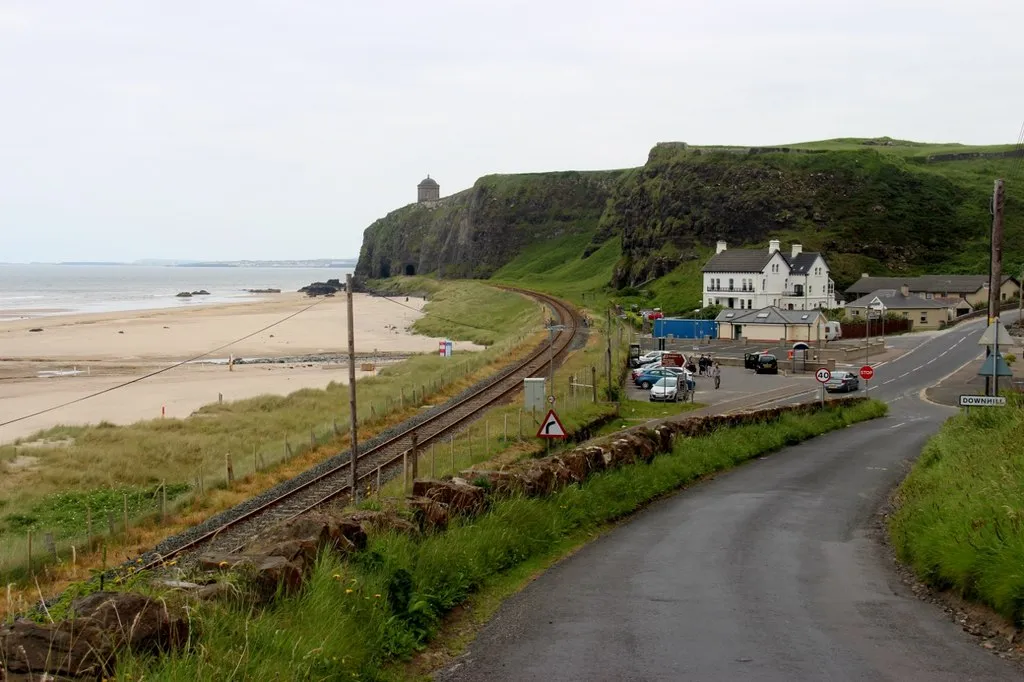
(905, 290)
(720, 247)
(797, 250)
(773, 246)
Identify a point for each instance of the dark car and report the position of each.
(767, 364)
(750, 359)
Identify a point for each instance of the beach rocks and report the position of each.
(201, 292)
(36, 329)
(184, 294)
(263, 291)
(328, 288)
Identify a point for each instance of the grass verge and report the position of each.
(84, 477)
(959, 518)
(355, 618)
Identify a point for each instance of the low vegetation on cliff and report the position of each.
(871, 205)
(959, 521)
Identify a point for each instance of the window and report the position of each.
(710, 302)
(750, 303)
(810, 289)
(764, 284)
(730, 283)
(906, 316)
(856, 312)
(924, 317)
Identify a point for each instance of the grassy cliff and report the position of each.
(641, 235)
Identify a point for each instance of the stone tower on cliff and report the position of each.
(428, 190)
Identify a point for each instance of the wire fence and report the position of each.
(28, 547)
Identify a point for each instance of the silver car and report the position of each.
(665, 390)
(843, 381)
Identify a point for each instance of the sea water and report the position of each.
(28, 291)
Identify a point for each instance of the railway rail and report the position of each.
(381, 461)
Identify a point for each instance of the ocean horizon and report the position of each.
(44, 290)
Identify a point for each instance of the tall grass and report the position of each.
(960, 517)
(84, 463)
(351, 619)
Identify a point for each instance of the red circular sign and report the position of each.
(867, 372)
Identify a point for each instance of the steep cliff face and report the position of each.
(475, 232)
(863, 209)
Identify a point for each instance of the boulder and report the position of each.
(459, 496)
(216, 591)
(429, 513)
(223, 561)
(503, 483)
(184, 294)
(272, 573)
(75, 648)
(201, 292)
(381, 522)
(134, 621)
(302, 538)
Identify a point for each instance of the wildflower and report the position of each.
(336, 577)
(348, 590)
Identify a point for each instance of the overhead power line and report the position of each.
(159, 371)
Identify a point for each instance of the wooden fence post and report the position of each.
(255, 462)
(593, 380)
(231, 469)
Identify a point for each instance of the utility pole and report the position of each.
(608, 359)
(995, 269)
(354, 480)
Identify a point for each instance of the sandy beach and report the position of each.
(109, 348)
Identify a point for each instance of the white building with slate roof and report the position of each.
(751, 279)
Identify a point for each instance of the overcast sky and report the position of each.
(281, 128)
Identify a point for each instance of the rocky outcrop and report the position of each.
(328, 288)
(475, 232)
(184, 294)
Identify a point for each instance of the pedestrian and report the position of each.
(716, 372)
(691, 385)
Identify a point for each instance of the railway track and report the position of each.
(383, 460)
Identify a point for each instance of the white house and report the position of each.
(751, 279)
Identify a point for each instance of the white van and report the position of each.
(833, 331)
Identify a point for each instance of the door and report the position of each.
(737, 331)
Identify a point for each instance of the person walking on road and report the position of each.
(716, 372)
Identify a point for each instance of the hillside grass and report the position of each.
(355, 618)
(81, 475)
(959, 521)
(557, 267)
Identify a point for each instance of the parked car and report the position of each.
(750, 359)
(666, 389)
(648, 379)
(843, 382)
(651, 356)
(767, 364)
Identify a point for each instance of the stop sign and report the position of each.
(867, 372)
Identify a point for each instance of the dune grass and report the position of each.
(76, 471)
(959, 521)
(353, 619)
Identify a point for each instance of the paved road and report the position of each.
(770, 572)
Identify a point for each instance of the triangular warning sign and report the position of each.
(551, 427)
(989, 337)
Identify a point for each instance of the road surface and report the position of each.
(770, 572)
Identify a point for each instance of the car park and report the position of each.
(842, 382)
(666, 389)
(767, 364)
